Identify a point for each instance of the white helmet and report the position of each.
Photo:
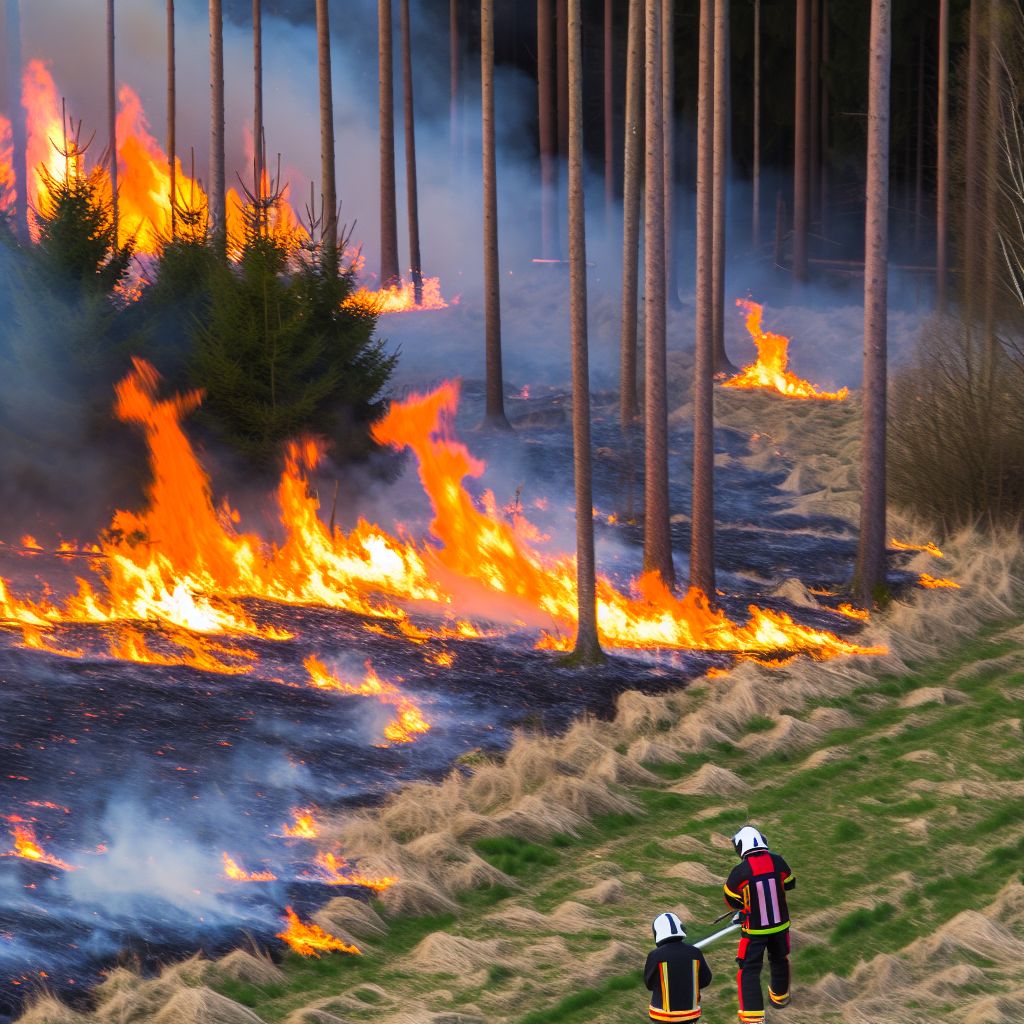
(667, 926)
(747, 840)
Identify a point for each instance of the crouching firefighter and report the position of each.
(757, 887)
(675, 972)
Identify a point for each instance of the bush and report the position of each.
(956, 439)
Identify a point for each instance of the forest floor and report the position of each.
(894, 785)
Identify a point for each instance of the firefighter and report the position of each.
(675, 972)
(757, 887)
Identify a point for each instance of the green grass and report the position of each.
(842, 827)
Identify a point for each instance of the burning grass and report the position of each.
(311, 939)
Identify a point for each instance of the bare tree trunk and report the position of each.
(172, 119)
(454, 61)
(389, 272)
(588, 647)
(328, 186)
(632, 186)
(668, 103)
(870, 572)
(112, 115)
(823, 129)
(494, 417)
(257, 92)
(991, 233)
(218, 196)
(657, 534)
(609, 121)
(415, 264)
(800, 144)
(755, 222)
(19, 144)
(942, 164)
(919, 168)
(972, 162)
(814, 114)
(548, 130)
(702, 525)
(720, 162)
(562, 65)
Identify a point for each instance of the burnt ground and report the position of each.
(154, 772)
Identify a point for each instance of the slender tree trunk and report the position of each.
(991, 239)
(218, 196)
(801, 140)
(172, 119)
(972, 165)
(416, 268)
(632, 187)
(702, 527)
(562, 65)
(454, 62)
(494, 416)
(919, 166)
(112, 115)
(389, 271)
(942, 164)
(720, 174)
(823, 129)
(547, 120)
(609, 121)
(870, 572)
(668, 103)
(755, 222)
(588, 647)
(814, 114)
(257, 92)
(19, 144)
(328, 186)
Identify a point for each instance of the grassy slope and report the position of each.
(861, 824)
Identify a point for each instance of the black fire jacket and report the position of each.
(758, 886)
(675, 973)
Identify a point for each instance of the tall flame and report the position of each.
(311, 939)
(304, 827)
(769, 372)
(7, 176)
(27, 847)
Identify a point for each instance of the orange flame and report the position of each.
(311, 939)
(26, 846)
(335, 871)
(937, 582)
(8, 180)
(399, 298)
(238, 874)
(410, 721)
(853, 613)
(305, 826)
(931, 548)
(769, 372)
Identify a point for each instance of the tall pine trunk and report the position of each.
(389, 272)
(454, 66)
(172, 119)
(814, 114)
(720, 174)
(412, 194)
(657, 534)
(801, 142)
(702, 531)
(823, 127)
(19, 143)
(608, 104)
(562, 67)
(547, 120)
(218, 196)
(494, 416)
(632, 188)
(112, 115)
(668, 102)
(257, 94)
(991, 258)
(942, 164)
(588, 647)
(870, 571)
(755, 215)
(328, 187)
(972, 165)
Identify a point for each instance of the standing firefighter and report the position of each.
(757, 887)
(675, 972)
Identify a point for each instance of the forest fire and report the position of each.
(769, 372)
(399, 298)
(311, 939)
(27, 847)
(182, 562)
(239, 874)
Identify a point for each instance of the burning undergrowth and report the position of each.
(192, 700)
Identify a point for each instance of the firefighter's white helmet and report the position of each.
(667, 926)
(747, 840)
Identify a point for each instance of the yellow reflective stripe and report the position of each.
(729, 892)
(657, 1014)
(766, 931)
(696, 984)
(664, 986)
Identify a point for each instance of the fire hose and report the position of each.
(733, 926)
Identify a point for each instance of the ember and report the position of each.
(769, 372)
